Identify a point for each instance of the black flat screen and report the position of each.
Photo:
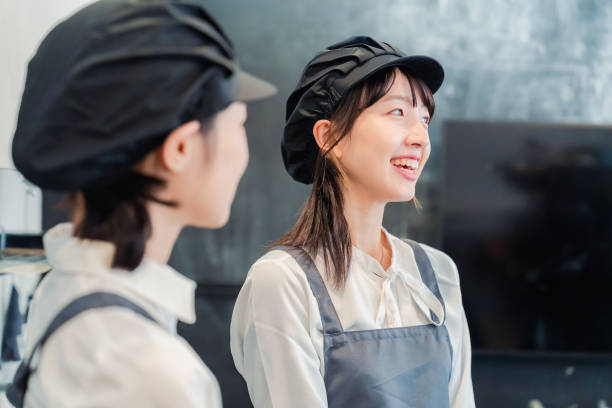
(527, 217)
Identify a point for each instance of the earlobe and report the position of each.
(337, 150)
(175, 150)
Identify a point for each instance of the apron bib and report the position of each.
(386, 368)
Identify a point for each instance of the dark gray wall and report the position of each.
(545, 61)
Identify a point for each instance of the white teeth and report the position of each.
(410, 164)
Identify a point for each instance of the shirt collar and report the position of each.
(403, 261)
(372, 264)
(160, 284)
(403, 264)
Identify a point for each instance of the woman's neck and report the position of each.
(165, 229)
(364, 217)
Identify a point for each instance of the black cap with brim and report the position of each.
(326, 78)
(250, 88)
(108, 84)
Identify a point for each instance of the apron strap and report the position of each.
(428, 277)
(329, 317)
(17, 389)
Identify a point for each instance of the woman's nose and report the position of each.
(417, 136)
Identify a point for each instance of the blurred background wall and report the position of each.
(544, 61)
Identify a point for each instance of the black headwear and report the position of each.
(109, 83)
(326, 79)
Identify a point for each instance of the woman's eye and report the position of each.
(397, 112)
(425, 120)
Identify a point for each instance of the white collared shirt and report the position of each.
(276, 330)
(113, 357)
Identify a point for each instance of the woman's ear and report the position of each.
(178, 145)
(321, 132)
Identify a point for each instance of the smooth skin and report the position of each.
(389, 129)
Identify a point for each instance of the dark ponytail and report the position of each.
(116, 212)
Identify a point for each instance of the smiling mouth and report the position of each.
(410, 165)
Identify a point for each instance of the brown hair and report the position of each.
(116, 212)
(322, 224)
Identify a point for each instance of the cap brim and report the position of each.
(251, 88)
(426, 68)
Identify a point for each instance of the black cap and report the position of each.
(326, 79)
(108, 84)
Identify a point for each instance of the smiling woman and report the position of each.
(353, 315)
(366, 133)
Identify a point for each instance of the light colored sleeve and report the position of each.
(461, 391)
(90, 362)
(271, 341)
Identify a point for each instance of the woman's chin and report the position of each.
(213, 221)
(402, 195)
(402, 199)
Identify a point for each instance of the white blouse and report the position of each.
(113, 357)
(276, 329)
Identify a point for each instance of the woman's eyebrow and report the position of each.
(403, 98)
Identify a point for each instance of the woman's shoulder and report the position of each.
(277, 270)
(275, 292)
(278, 255)
(116, 343)
(442, 264)
(278, 263)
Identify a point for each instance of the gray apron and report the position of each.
(386, 368)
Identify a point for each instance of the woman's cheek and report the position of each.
(244, 151)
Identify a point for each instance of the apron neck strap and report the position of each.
(428, 276)
(329, 317)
